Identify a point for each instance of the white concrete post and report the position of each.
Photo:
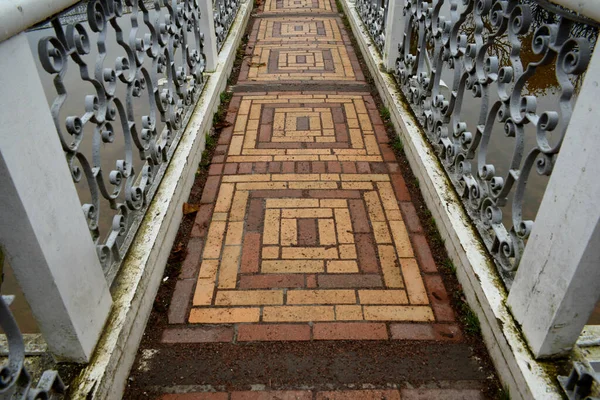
(42, 226)
(207, 27)
(394, 31)
(558, 281)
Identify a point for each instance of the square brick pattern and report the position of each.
(322, 61)
(256, 236)
(300, 6)
(300, 49)
(299, 29)
(315, 127)
(307, 231)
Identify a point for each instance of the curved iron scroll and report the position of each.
(225, 12)
(373, 16)
(15, 381)
(454, 38)
(162, 68)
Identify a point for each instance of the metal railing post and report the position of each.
(42, 226)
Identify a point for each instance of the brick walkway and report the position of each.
(306, 230)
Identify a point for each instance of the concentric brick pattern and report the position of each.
(306, 229)
(300, 49)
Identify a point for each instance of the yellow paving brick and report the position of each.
(249, 297)
(262, 185)
(247, 178)
(240, 123)
(309, 253)
(398, 313)
(356, 138)
(309, 151)
(390, 267)
(374, 206)
(393, 215)
(292, 203)
(371, 145)
(244, 107)
(214, 239)
(235, 147)
(348, 313)
(359, 158)
(343, 225)
(381, 232)
(321, 297)
(249, 158)
(382, 297)
(228, 268)
(235, 231)
(330, 177)
(204, 292)
(342, 266)
(357, 185)
(298, 313)
(326, 232)
(347, 251)
(401, 239)
(225, 197)
(333, 203)
(388, 198)
(295, 177)
(296, 158)
(413, 281)
(208, 269)
(306, 213)
(313, 185)
(271, 226)
(325, 139)
(292, 266)
(365, 177)
(270, 252)
(219, 216)
(224, 315)
(289, 232)
(238, 207)
(255, 112)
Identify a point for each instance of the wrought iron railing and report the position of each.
(489, 58)
(373, 14)
(225, 12)
(134, 91)
(15, 380)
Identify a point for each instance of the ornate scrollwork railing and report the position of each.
(373, 15)
(15, 381)
(225, 12)
(141, 89)
(492, 51)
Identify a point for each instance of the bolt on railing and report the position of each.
(474, 71)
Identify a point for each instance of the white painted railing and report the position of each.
(469, 71)
(142, 79)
